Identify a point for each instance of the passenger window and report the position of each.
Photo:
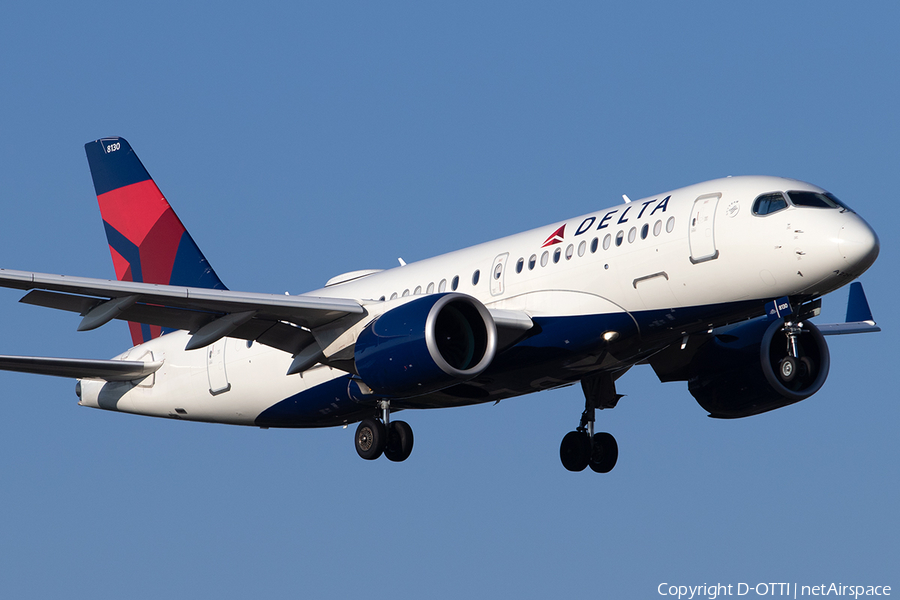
(581, 248)
(544, 257)
(670, 224)
(519, 265)
(475, 276)
(594, 243)
(570, 252)
(556, 254)
(619, 237)
(632, 234)
(405, 293)
(442, 287)
(394, 296)
(645, 231)
(769, 203)
(498, 270)
(607, 241)
(657, 228)
(455, 283)
(430, 289)
(418, 290)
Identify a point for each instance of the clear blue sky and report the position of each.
(299, 142)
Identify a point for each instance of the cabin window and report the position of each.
(442, 287)
(570, 252)
(381, 299)
(769, 203)
(520, 264)
(670, 224)
(607, 241)
(556, 254)
(619, 238)
(394, 296)
(498, 270)
(544, 257)
(418, 290)
(657, 228)
(455, 283)
(632, 234)
(594, 243)
(430, 288)
(532, 261)
(405, 293)
(581, 248)
(475, 276)
(645, 231)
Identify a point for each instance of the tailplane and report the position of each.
(146, 238)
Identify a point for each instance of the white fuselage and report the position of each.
(677, 262)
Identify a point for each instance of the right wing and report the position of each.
(110, 370)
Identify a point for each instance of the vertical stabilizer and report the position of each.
(146, 238)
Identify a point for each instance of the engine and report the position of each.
(747, 369)
(425, 345)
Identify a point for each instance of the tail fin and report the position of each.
(147, 240)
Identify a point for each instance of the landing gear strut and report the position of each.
(793, 365)
(375, 437)
(583, 448)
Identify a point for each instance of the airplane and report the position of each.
(713, 284)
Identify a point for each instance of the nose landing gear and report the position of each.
(375, 437)
(583, 448)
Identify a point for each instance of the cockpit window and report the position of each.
(815, 200)
(769, 203)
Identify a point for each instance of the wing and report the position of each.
(282, 322)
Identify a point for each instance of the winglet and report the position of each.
(859, 316)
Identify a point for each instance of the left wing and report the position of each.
(282, 322)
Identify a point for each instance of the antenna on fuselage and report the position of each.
(626, 199)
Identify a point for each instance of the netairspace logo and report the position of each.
(792, 590)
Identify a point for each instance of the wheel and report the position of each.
(400, 441)
(575, 451)
(604, 453)
(370, 439)
(787, 369)
(806, 368)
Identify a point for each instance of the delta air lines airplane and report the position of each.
(713, 284)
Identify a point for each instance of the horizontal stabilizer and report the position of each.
(859, 316)
(76, 368)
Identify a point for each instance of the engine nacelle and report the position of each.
(738, 371)
(426, 345)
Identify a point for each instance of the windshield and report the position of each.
(816, 200)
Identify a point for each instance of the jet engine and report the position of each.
(749, 368)
(426, 345)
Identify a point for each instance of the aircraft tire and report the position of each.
(575, 451)
(370, 438)
(604, 454)
(787, 369)
(400, 441)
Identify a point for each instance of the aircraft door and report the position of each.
(701, 237)
(498, 274)
(215, 368)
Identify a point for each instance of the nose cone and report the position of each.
(858, 244)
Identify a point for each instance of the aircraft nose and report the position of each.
(858, 244)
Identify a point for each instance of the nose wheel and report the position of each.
(375, 437)
(583, 448)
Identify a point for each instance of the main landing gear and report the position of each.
(583, 448)
(375, 437)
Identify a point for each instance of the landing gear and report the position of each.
(582, 448)
(794, 366)
(375, 437)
